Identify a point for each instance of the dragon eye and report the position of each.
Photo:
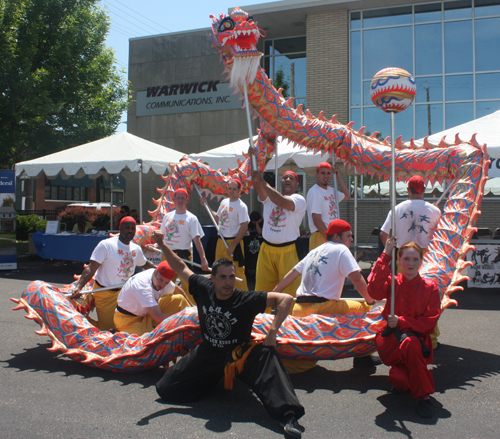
(226, 24)
(250, 18)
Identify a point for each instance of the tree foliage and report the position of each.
(58, 85)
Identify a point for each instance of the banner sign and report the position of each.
(190, 97)
(485, 269)
(8, 249)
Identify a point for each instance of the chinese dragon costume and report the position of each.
(462, 164)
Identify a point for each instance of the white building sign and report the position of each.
(191, 97)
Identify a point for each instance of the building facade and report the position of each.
(325, 53)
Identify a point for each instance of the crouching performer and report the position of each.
(324, 271)
(226, 317)
(147, 299)
(405, 344)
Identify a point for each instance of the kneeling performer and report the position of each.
(147, 299)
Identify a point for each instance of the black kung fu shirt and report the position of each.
(225, 324)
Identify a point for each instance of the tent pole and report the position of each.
(140, 191)
(355, 216)
(111, 202)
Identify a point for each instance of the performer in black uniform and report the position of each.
(226, 316)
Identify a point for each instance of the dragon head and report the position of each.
(236, 36)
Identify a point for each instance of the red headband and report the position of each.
(338, 226)
(181, 191)
(416, 182)
(291, 173)
(127, 219)
(236, 181)
(165, 270)
(325, 165)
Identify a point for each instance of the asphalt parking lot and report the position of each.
(45, 395)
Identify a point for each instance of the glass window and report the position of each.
(488, 86)
(429, 12)
(459, 88)
(367, 100)
(486, 107)
(429, 89)
(47, 191)
(355, 68)
(356, 117)
(428, 49)
(459, 113)
(486, 8)
(355, 20)
(61, 193)
(457, 9)
(291, 75)
(458, 46)
(487, 41)
(377, 120)
(53, 192)
(376, 55)
(387, 17)
(69, 193)
(429, 120)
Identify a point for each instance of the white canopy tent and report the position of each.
(487, 132)
(224, 157)
(110, 155)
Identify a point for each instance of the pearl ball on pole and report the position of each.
(393, 90)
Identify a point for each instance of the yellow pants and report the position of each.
(105, 305)
(184, 285)
(220, 252)
(169, 304)
(316, 239)
(272, 266)
(340, 307)
(436, 333)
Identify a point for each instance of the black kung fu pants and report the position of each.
(198, 373)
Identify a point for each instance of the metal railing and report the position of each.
(46, 214)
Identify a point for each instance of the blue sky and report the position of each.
(131, 19)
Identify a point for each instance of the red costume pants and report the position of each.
(409, 373)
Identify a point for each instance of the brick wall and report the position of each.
(328, 64)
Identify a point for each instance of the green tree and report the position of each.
(280, 81)
(8, 201)
(58, 85)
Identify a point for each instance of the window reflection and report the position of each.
(387, 17)
(429, 120)
(356, 117)
(488, 86)
(429, 12)
(487, 41)
(355, 68)
(367, 100)
(428, 54)
(377, 120)
(355, 20)
(376, 55)
(459, 113)
(486, 107)
(457, 9)
(486, 8)
(459, 88)
(458, 46)
(429, 89)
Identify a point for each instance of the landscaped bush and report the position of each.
(26, 224)
(99, 218)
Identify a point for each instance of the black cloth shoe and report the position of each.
(367, 361)
(424, 408)
(291, 426)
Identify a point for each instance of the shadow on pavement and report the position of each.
(220, 410)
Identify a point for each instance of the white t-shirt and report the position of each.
(180, 229)
(231, 214)
(282, 225)
(118, 261)
(138, 293)
(324, 270)
(322, 201)
(416, 221)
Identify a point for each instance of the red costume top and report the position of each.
(417, 302)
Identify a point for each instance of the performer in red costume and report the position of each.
(405, 344)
